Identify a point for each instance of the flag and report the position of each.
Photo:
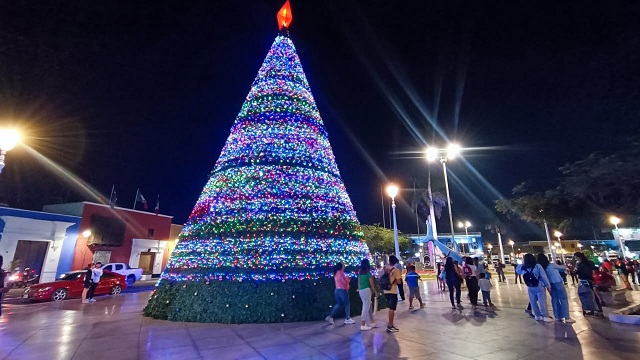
(140, 198)
(113, 198)
(158, 205)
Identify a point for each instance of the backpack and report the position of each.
(530, 279)
(385, 281)
(467, 271)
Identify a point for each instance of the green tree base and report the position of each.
(248, 302)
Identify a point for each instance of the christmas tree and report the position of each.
(274, 216)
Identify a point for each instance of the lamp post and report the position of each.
(489, 246)
(466, 225)
(9, 138)
(445, 155)
(615, 221)
(513, 251)
(392, 191)
(558, 234)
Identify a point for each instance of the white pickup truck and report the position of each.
(131, 274)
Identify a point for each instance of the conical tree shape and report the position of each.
(272, 220)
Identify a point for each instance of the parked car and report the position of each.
(131, 274)
(71, 284)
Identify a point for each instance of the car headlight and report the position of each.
(13, 278)
(44, 289)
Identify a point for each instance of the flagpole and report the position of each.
(136, 200)
(111, 196)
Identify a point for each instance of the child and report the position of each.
(485, 287)
(412, 278)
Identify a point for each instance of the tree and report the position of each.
(272, 220)
(381, 240)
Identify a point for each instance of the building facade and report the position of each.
(41, 241)
(113, 234)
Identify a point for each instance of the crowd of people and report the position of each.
(541, 276)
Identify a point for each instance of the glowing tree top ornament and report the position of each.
(274, 216)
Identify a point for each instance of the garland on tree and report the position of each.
(273, 218)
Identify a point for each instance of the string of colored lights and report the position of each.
(275, 207)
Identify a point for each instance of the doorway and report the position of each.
(147, 259)
(31, 254)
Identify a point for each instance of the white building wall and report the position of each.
(20, 228)
(142, 245)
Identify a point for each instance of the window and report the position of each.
(151, 232)
(119, 267)
(573, 246)
(108, 268)
(107, 275)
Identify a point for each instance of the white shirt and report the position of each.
(96, 274)
(485, 284)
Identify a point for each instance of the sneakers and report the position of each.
(365, 327)
(392, 329)
(411, 308)
(568, 321)
(329, 319)
(529, 312)
(547, 319)
(92, 300)
(348, 321)
(538, 318)
(422, 306)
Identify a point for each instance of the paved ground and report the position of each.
(113, 328)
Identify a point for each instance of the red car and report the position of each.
(71, 284)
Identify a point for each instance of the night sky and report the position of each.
(143, 94)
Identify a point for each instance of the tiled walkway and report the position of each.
(113, 329)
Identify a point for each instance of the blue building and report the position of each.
(41, 241)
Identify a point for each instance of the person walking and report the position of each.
(394, 277)
(485, 287)
(584, 271)
(441, 280)
(87, 282)
(500, 271)
(559, 299)
(517, 276)
(623, 270)
(341, 294)
(96, 274)
(400, 284)
(366, 287)
(453, 277)
(537, 283)
(571, 268)
(471, 276)
(413, 283)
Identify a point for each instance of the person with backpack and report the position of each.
(538, 284)
(341, 294)
(471, 277)
(559, 299)
(388, 282)
(453, 277)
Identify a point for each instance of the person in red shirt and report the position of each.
(603, 282)
(607, 265)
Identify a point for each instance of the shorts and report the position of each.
(414, 292)
(392, 301)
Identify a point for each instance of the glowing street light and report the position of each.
(86, 233)
(451, 152)
(615, 221)
(466, 225)
(392, 191)
(579, 246)
(9, 138)
(512, 249)
(558, 234)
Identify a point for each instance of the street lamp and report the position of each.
(489, 246)
(580, 246)
(615, 221)
(558, 234)
(466, 225)
(449, 153)
(9, 138)
(512, 249)
(392, 191)
(86, 233)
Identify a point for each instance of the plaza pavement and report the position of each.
(113, 328)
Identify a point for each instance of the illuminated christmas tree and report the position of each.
(274, 216)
